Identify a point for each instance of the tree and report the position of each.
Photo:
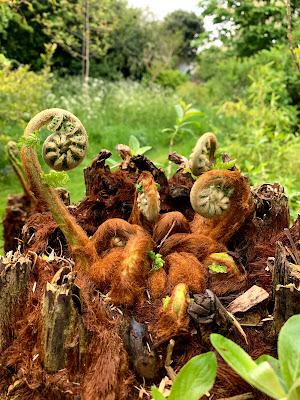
(160, 55)
(249, 26)
(21, 36)
(81, 28)
(189, 26)
(133, 34)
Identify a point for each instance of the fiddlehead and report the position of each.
(203, 154)
(211, 202)
(147, 200)
(66, 147)
(63, 150)
(224, 274)
(173, 316)
(222, 199)
(114, 232)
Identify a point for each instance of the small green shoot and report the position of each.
(194, 379)
(166, 301)
(157, 260)
(55, 178)
(221, 165)
(217, 269)
(139, 187)
(32, 140)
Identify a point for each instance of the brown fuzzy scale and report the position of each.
(185, 268)
(198, 245)
(157, 283)
(102, 272)
(130, 279)
(228, 282)
(27, 379)
(170, 223)
(222, 227)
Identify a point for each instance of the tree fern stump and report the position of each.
(14, 276)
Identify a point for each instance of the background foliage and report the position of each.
(246, 84)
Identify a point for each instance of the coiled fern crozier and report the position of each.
(63, 150)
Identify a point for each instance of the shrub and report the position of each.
(22, 94)
(171, 78)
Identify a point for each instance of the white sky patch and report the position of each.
(161, 8)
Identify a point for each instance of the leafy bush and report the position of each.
(22, 94)
(279, 379)
(171, 78)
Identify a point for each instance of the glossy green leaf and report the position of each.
(289, 350)
(272, 361)
(264, 378)
(156, 394)
(234, 355)
(195, 378)
(260, 375)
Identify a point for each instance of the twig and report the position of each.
(166, 236)
(169, 369)
(294, 248)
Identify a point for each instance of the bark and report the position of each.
(64, 335)
(286, 280)
(14, 276)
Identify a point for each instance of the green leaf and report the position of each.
(264, 378)
(134, 144)
(234, 355)
(191, 114)
(271, 360)
(156, 394)
(218, 269)
(139, 187)
(289, 350)
(195, 378)
(144, 149)
(157, 259)
(258, 376)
